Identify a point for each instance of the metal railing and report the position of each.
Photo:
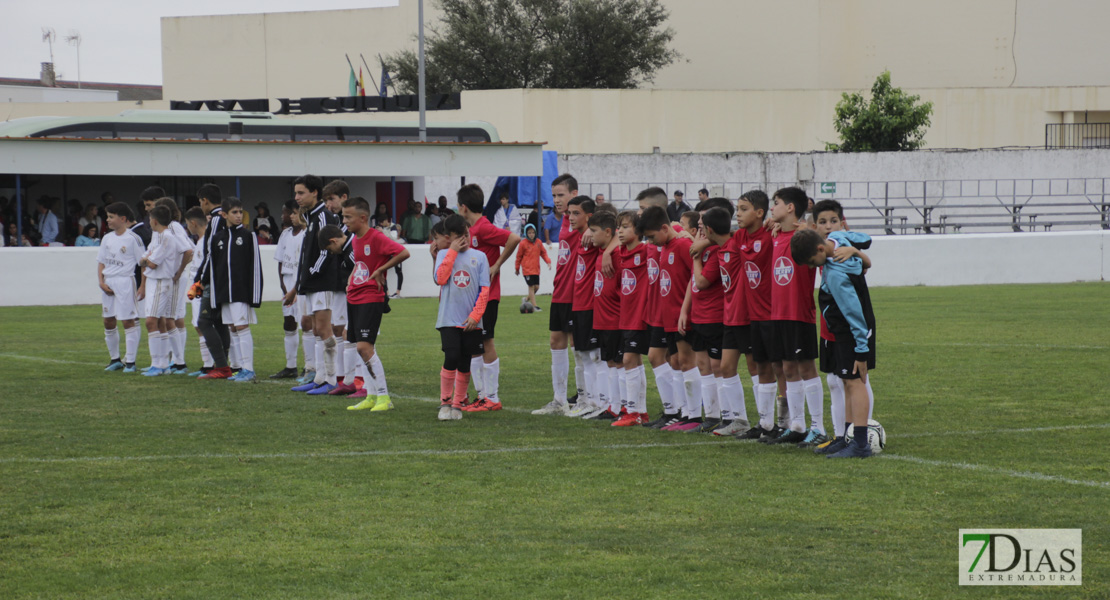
(1077, 135)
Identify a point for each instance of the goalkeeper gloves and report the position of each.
(195, 290)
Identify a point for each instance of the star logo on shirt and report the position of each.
(628, 281)
(564, 252)
(754, 276)
(599, 283)
(653, 271)
(664, 283)
(461, 279)
(784, 270)
(580, 270)
(726, 281)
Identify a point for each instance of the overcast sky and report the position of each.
(121, 40)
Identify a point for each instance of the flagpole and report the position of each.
(349, 64)
(420, 37)
(369, 72)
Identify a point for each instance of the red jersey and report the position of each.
(489, 240)
(584, 260)
(569, 240)
(651, 316)
(607, 297)
(792, 292)
(733, 282)
(755, 251)
(675, 269)
(707, 306)
(369, 252)
(634, 287)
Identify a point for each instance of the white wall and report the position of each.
(61, 276)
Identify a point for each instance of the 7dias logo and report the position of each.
(1021, 557)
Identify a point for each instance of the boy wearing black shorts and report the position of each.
(560, 319)
(587, 358)
(635, 338)
(702, 318)
(606, 318)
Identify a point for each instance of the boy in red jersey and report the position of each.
(794, 319)
(592, 400)
(485, 370)
(371, 255)
(662, 353)
(606, 317)
(702, 318)
(560, 320)
(635, 339)
(675, 270)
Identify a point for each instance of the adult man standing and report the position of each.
(416, 227)
(676, 208)
(47, 223)
(599, 199)
(703, 195)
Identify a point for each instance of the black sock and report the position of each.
(861, 437)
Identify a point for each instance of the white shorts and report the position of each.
(181, 291)
(195, 303)
(294, 309)
(159, 298)
(339, 309)
(317, 301)
(238, 313)
(121, 304)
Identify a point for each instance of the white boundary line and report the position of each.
(353, 454)
(998, 471)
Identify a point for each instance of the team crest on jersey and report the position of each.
(461, 279)
(670, 258)
(564, 252)
(580, 269)
(784, 270)
(599, 283)
(636, 260)
(705, 257)
(754, 276)
(653, 271)
(664, 283)
(361, 274)
(757, 245)
(366, 249)
(238, 241)
(726, 281)
(725, 256)
(474, 241)
(123, 249)
(628, 281)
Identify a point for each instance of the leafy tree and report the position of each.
(892, 120)
(502, 44)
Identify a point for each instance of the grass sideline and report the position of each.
(115, 486)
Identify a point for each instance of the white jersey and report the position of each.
(166, 250)
(120, 254)
(198, 256)
(288, 251)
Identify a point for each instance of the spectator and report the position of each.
(416, 228)
(91, 217)
(599, 199)
(381, 214)
(264, 236)
(11, 233)
(47, 224)
(432, 212)
(507, 216)
(444, 212)
(552, 225)
(676, 208)
(90, 235)
(264, 219)
(703, 195)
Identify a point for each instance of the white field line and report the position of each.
(1105, 485)
(351, 454)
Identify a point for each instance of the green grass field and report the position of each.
(995, 401)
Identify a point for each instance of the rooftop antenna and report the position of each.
(74, 39)
(48, 36)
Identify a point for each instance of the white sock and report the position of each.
(692, 385)
(183, 337)
(710, 404)
(476, 375)
(665, 384)
(163, 350)
(560, 371)
(765, 404)
(678, 391)
(351, 361)
(379, 374)
(640, 388)
(836, 402)
(152, 346)
(177, 347)
(291, 349)
(308, 340)
(369, 382)
(205, 354)
(815, 400)
(584, 376)
(616, 395)
(111, 339)
(755, 382)
(627, 401)
(329, 360)
(246, 349)
(870, 398)
(131, 338)
(491, 379)
(340, 358)
(234, 359)
(796, 404)
(732, 397)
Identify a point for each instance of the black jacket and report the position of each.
(236, 267)
(317, 271)
(216, 223)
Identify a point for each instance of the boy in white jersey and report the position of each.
(288, 256)
(175, 324)
(162, 264)
(117, 258)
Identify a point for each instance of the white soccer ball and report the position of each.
(876, 436)
(526, 307)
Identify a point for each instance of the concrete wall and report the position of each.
(61, 276)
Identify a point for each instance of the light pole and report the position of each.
(420, 73)
(74, 39)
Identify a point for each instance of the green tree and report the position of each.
(503, 44)
(892, 120)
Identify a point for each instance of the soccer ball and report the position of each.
(876, 436)
(526, 307)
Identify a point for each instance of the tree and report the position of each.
(892, 120)
(503, 44)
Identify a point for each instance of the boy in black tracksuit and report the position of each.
(237, 270)
(209, 321)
